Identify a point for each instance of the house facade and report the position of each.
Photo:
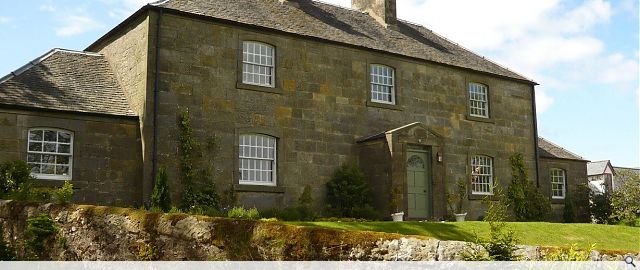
(288, 91)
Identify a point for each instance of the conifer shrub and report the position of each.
(527, 202)
(160, 196)
(349, 195)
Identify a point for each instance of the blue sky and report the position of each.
(584, 54)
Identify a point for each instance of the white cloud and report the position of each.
(75, 25)
(543, 101)
(47, 8)
(619, 69)
(4, 19)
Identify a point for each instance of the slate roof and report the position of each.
(551, 150)
(66, 81)
(597, 167)
(343, 25)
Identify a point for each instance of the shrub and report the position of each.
(570, 215)
(39, 235)
(600, 207)
(14, 174)
(348, 194)
(625, 201)
(65, 193)
(160, 196)
(573, 254)
(581, 202)
(455, 199)
(207, 198)
(241, 212)
(528, 203)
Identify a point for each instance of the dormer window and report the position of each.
(258, 64)
(382, 84)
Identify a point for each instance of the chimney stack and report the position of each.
(384, 11)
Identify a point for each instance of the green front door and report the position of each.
(418, 187)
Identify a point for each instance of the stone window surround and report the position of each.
(71, 154)
(278, 187)
(384, 61)
(277, 82)
(491, 175)
(564, 183)
(252, 46)
(485, 82)
(270, 174)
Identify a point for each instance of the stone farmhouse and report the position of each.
(289, 90)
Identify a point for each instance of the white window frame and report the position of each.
(258, 60)
(384, 80)
(481, 175)
(478, 100)
(558, 179)
(243, 156)
(57, 143)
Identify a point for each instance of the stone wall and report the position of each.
(131, 55)
(319, 107)
(108, 234)
(576, 175)
(106, 153)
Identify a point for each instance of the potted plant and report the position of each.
(456, 200)
(397, 215)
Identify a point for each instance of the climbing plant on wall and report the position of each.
(528, 203)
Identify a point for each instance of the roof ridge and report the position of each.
(39, 60)
(551, 143)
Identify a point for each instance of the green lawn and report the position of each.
(606, 237)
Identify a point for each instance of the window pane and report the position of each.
(64, 148)
(48, 169)
(62, 160)
(35, 168)
(50, 136)
(33, 158)
(64, 137)
(62, 170)
(49, 159)
(49, 147)
(36, 147)
(35, 135)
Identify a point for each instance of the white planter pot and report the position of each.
(460, 217)
(397, 217)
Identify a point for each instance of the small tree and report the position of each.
(625, 201)
(348, 194)
(600, 207)
(570, 215)
(160, 197)
(455, 199)
(528, 203)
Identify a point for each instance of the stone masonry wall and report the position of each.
(319, 106)
(131, 54)
(106, 153)
(108, 234)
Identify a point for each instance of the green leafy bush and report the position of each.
(39, 236)
(348, 194)
(241, 212)
(572, 254)
(160, 196)
(14, 174)
(600, 207)
(625, 201)
(527, 202)
(65, 193)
